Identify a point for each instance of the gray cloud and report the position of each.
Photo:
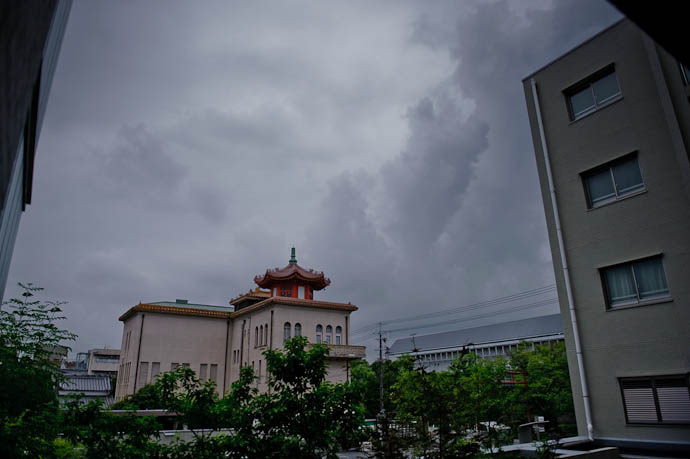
(186, 148)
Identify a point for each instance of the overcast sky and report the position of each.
(188, 145)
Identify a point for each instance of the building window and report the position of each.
(298, 329)
(261, 335)
(286, 331)
(300, 292)
(173, 366)
(338, 334)
(329, 334)
(285, 291)
(593, 93)
(656, 400)
(155, 369)
(319, 333)
(635, 282)
(256, 336)
(143, 374)
(613, 181)
(203, 371)
(213, 373)
(265, 334)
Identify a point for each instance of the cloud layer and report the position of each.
(186, 149)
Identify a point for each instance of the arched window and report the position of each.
(338, 334)
(286, 331)
(319, 332)
(256, 337)
(329, 334)
(265, 334)
(261, 335)
(298, 329)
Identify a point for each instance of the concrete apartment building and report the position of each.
(610, 121)
(103, 361)
(216, 341)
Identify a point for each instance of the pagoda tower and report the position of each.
(292, 281)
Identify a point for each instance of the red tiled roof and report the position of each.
(254, 294)
(293, 271)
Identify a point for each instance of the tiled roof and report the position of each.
(254, 294)
(507, 331)
(85, 383)
(293, 271)
(183, 309)
(296, 302)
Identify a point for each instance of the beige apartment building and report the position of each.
(216, 341)
(610, 121)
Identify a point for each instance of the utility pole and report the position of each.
(381, 408)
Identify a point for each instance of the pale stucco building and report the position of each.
(216, 341)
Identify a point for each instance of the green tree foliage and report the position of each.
(366, 377)
(301, 415)
(548, 392)
(29, 409)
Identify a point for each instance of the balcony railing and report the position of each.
(343, 351)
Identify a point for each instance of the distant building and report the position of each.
(103, 361)
(216, 341)
(610, 121)
(86, 388)
(437, 351)
(30, 38)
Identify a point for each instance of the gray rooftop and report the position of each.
(85, 383)
(507, 331)
(206, 307)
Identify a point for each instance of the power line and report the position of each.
(494, 302)
(479, 316)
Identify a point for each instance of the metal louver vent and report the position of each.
(639, 404)
(674, 400)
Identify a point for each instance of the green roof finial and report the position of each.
(293, 260)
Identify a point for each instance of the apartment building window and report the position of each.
(593, 93)
(612, 181)
(319, 333)
(338, 334)
(656, 399)
(329, 334)
(298, 329)
(635, 282)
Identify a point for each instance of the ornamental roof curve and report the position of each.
(293, 271)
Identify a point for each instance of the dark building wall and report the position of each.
(24, 28)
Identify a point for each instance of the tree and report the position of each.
(301, 415)
(29, 408)
(549, 392)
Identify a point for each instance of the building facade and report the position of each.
(437, 351)
(217, 341)
(31, 34)
(610, 122)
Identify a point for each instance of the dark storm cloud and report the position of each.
(186, 148)
(460, 205)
